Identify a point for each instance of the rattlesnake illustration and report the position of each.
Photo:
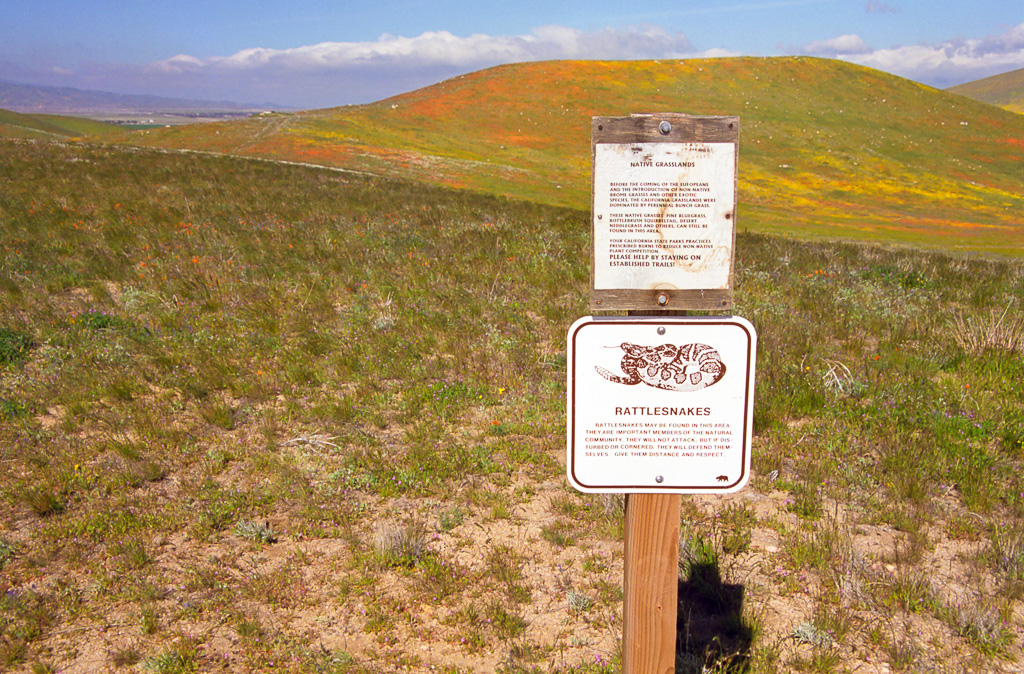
(689, 367)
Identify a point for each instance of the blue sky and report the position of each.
(316, 53)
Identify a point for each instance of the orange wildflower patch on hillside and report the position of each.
(826, 148)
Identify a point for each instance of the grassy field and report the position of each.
(260, 417)
(827, 149)
(51, 127)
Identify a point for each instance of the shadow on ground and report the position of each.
(710, 623)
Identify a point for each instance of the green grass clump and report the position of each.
(13, 345)
(180, 658)
(12, 409)
(6, 552)
(258, 532)
(400, 545)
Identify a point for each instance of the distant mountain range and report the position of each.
(30, 98)
(1005, 90)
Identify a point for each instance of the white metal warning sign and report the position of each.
(660, 405)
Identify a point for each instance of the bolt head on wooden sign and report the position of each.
(660, 405)
(664, 212)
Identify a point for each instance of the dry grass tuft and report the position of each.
(995, 331)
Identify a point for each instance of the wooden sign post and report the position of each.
(650, 583)
(660, 406)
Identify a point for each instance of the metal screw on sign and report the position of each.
(665, 128)
(663, 299)
(661, 330)
(659, 479)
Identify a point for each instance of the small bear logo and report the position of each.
(722, 478)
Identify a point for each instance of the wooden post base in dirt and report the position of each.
(651, 583)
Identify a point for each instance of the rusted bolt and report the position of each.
(663, 299)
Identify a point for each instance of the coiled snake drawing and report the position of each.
(689, 367)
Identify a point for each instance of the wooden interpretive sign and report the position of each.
(660, 406)
(664, 212)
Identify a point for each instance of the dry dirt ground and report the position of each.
(311, 591)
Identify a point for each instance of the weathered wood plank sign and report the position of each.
(664, 212)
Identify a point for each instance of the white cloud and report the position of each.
(717, 54)
(441, 48)
(333, 73)
(844, 44)
(179, 63)
(951, 62)
(940, 65)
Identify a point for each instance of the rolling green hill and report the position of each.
(17, 125)
(827, 149)
(1005, 90)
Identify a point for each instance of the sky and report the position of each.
(318, 53)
